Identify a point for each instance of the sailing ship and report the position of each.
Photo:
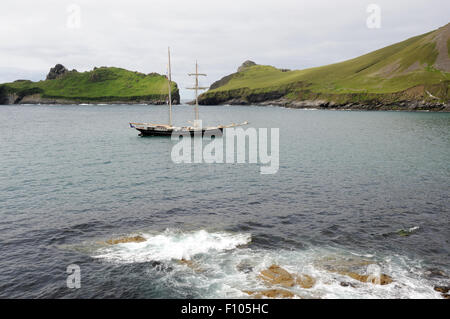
(151, 129)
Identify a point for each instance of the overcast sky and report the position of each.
(294, 34)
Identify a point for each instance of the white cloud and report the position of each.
(220, 34)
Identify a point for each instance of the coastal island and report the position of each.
(410, 75)
(101, 85)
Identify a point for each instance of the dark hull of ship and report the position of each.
(150, 132)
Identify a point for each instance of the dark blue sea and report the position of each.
(353, 188)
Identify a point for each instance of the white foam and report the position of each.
(228, 270)
(222, 275)
(172, 244)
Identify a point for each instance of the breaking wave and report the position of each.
(172, 244)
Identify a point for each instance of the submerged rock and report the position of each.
(271, 293)
(347, 284)
(407, 232)
(335, 264)
(305, 281)
(159, 266)
(245, 267)
(352, 267)
(403, 233)
(383, 279)
(434, 272)
(275, 275)
(442, 289)
(191, 264)
(134, 239)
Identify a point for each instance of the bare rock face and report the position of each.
(57, 72)
(245, 65)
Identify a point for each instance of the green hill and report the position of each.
(101, 85)
(410, 74)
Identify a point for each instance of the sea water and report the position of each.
(351, 186)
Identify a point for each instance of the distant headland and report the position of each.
(410, 75)
(101, 85)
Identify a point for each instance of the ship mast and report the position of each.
(196, 88)
(169, 77)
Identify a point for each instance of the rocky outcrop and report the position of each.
(270, 293)
(57, 72)
(176, 95)
(133, 239)
(245, 65)
(275, 275)
(383, 279)
(443, 290)
(352, 268)
(305, 281)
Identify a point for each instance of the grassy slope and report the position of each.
(100, 84)
(382, 71)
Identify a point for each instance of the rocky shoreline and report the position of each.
(33, 99)
(413, 99)
(326, 105)
(13, 98)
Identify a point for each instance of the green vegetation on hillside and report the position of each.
(100, 84)
(393, 69)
